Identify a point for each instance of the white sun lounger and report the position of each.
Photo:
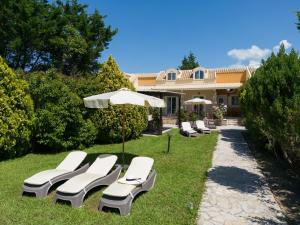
(201, 127)
(138, 178)
(40, 183)
(100, 173)
(187, 130)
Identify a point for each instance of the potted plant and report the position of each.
(219, 112)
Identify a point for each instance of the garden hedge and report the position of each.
(270, 102)
(59, 123)
(58, 120)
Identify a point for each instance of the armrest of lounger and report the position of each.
(115, 171)
(150, 180)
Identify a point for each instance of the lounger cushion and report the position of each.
(100, 168)
(72, 161)
(138, 169)
(103, 164)
(45, 176)
(78, 183)
(117, 189)
(200, 125)
(186, 126)
(192, 131)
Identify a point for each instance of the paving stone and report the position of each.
(236, 192)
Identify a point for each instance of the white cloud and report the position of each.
(254, 63)
(237, 65)
(285, 43)
(253, 56)
(250, 53)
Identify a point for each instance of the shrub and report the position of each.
(16, 113)
(219, 111)
(193, 116)
(84, 86)
(184, 115)
(108, 121)
(270, 103)
(59, 121)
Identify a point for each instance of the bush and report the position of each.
(108, 121)
(219, 111)
(184, 115)
(270, 103)
(16, 113)
(59, 123)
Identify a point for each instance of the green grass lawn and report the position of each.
(180, 182)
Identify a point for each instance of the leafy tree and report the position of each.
(16, 113)
(189, 62)
(59, 123)
(36, 35)
(270, 102)
(108, 120)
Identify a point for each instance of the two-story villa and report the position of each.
(218, 85)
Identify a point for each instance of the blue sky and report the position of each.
(155, 35)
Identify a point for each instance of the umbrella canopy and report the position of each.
(198, 101)
(122, 97)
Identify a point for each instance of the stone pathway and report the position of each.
(236, 192)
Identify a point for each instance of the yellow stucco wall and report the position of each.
(207, 94)
(232, 77)
(146, 81)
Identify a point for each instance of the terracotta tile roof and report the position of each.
(142, 74)
(188, 74)
(232, 69)
(161, 75)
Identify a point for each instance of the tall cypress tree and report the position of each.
(189, 62)
(111, 77)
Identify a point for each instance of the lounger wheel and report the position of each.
(124, 205)
(40, 192)
(76, 202)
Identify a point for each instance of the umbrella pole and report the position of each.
(123, 137)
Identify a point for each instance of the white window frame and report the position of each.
(176, 105)
(194, 75)
(171, 76)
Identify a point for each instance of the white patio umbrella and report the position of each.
(122, 97)
(198, 101)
